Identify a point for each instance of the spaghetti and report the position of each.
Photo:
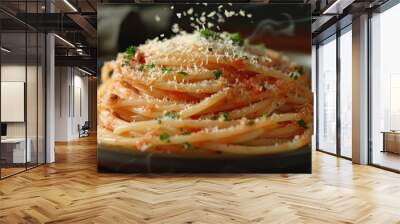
(204, 92)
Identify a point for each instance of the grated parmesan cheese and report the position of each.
(211, 14)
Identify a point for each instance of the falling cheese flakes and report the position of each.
(208, 20)
(175, 28)
(211, 14)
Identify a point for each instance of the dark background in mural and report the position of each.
(282, 27)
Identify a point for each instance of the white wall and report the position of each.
(33, 127)
(11, 73)
(80, 103)
(71, 102)
(61, 103)
(15, 73)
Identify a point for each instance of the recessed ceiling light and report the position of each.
(84, 71)
(70, 5)
(64, 40)
(337, 7)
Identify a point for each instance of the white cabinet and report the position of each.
(17, 146)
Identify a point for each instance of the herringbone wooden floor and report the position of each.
(71, 191)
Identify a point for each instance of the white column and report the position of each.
(50, 92)
(50, 100)
(360, 90)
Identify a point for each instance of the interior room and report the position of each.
(50, 73)
(23, 95)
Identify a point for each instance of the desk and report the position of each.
(391, 141)
(16, 147)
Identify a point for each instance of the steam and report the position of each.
(274, 27)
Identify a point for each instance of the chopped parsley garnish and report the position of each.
(294, 75)
(164, 137)
(237, 39)
(152, 65)
(159, 121)
(141, 67)
(166, 70)
(225, 116)
(218, 73)
(297, 73)
(183, 73)
(302, 124)
(209, 34)
(130, 53)
(210, 49)
(171, 115)
(187, 146)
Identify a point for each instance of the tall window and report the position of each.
(327, 95)
(346, 92)
(385, 84)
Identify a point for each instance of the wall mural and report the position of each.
(205, 88)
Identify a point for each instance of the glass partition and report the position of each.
(15, 151)
(346, 93)
(385, 89)
(327, 96)
(22, 91)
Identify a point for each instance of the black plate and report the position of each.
(111, 159)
